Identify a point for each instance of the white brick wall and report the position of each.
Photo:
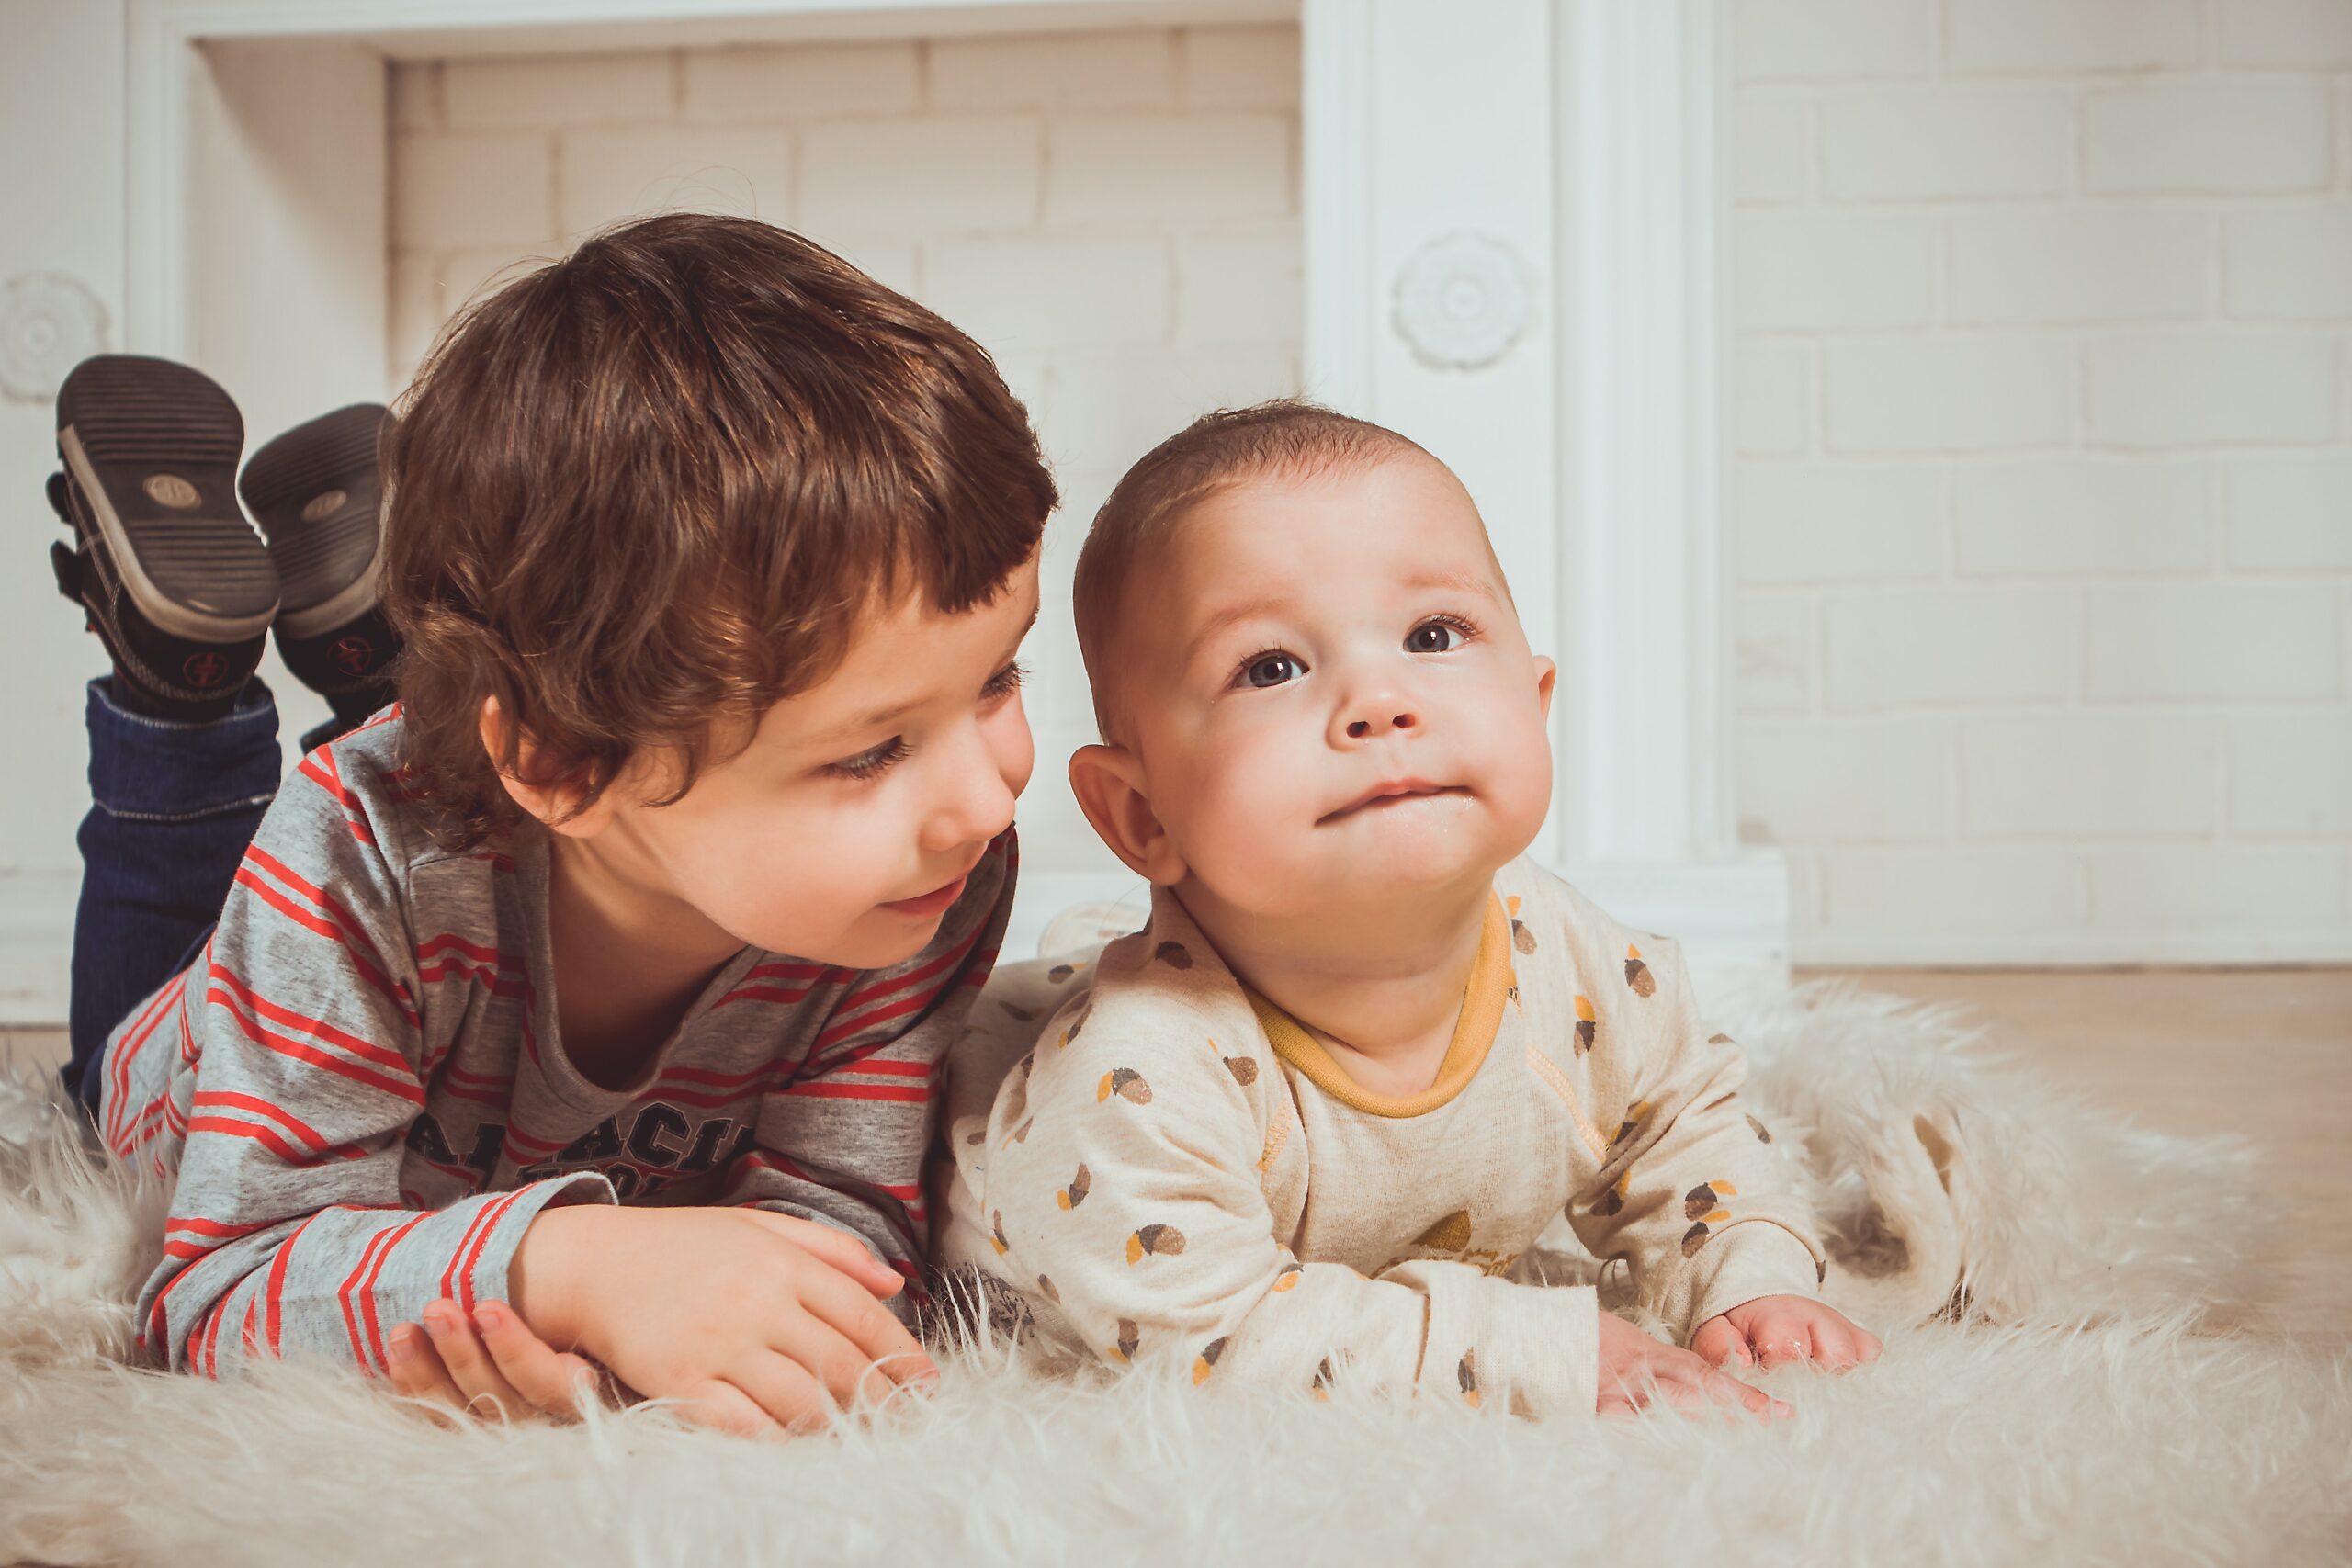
(2042, 403)
(1114, 215)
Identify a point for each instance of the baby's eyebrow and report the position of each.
(1223, 620)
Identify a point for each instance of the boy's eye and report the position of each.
(1272, 670)
(868, 763)
(1434, 637)
(1005, 680)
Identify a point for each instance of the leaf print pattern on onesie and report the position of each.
(1206, 1363)
(1635, 1114)
(1124, 1351)
(1521, 937)
(1612, 1202)
(1172, 953)
(1762, 1135)
(1466, 1375)
(1124, 1082)
(1703, 1205)
(1243, 1068)
(1154, 1241)
(1637, 974)
(1588, 1025)
(996, 1233)
(1071, 1197)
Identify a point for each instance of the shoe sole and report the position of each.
(151, 449)
(317, 496)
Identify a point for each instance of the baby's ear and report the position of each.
(1109, 783)
(1546, 676)
(554, 801)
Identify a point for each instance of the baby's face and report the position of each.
(1329, 693)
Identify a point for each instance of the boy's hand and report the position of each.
(1779, 1329)
(752, 1321)
(1630, 1361)
(493, 1360)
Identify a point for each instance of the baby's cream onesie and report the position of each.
(1176, 1168)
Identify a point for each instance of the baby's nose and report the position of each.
(1363, 728)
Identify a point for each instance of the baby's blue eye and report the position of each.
(1272, 670)
(1433, 637)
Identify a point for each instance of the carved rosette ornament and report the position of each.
(49, 324)
(1464, 300)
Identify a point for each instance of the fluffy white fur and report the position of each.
(2075, 1410)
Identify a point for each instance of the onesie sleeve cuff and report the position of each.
(1536, 1348)
(1755, 1258)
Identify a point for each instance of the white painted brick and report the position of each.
(1839, 522)
(1772, 397)
(472, 189)
(2095, 516)
(2290, 514)
(1028, 293)
(2015, 36)
(2079, 264)
(1972, 394)
(923, 178)
(2221, 134)
(2288, 261)
(427, 290)
(414, 313)
(1056, 70)
(2228, 893)
(610, 174)
(1167, 168)
(1806, 268)
(1832, 37)
(1774, 657)
(558, 90)
(1109, 409)
(413, 93)
(1242, 286)
(1771, 146)
(2175, 388)
(2291, 773)
(1966, 892)
(2088, 774)
(1882, 781)
(2213, 639)
(1238, 68)
(1922, 144)
(1896, 647)
(2306, 33)
(808, 81)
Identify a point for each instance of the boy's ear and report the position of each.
(1547, 674)
(1109, 783)
(554, 802)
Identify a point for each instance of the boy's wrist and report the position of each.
(544, 1279)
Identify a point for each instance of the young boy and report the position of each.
(1299, 1128)
(590, 996)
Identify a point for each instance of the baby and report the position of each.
(1300, 1128)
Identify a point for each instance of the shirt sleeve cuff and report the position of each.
(1745, 1261)
(510, 1216)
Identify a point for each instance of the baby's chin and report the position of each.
(1345, 868)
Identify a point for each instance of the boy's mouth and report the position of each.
(1389, 794)
(937, 901)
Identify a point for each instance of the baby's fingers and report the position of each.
(1783, 1337)
(1721, 1343)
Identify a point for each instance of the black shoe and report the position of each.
(171, 577)
(317, 496)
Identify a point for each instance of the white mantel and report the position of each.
(1511, 237)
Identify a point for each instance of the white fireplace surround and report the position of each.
(1512, 226)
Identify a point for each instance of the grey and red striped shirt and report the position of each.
(358, 1092)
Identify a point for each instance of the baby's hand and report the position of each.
(1778, 1329)
(1633, 1364)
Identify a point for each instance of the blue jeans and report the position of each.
(172, 807)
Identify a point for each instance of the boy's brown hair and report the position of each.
(1282, 439)
(653, 486)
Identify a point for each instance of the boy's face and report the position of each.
(1330, 695)
(844, 831)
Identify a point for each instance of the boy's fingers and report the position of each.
(547, 1381)
(840, 1249)
(719, 1403)
(793, 1399)
(848, 1373)
(469, 1363)
(417, 1369)
(867, 1324)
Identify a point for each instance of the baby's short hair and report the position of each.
(1284, 438)
(656, 483)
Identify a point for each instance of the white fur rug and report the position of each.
(2082, 1408)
